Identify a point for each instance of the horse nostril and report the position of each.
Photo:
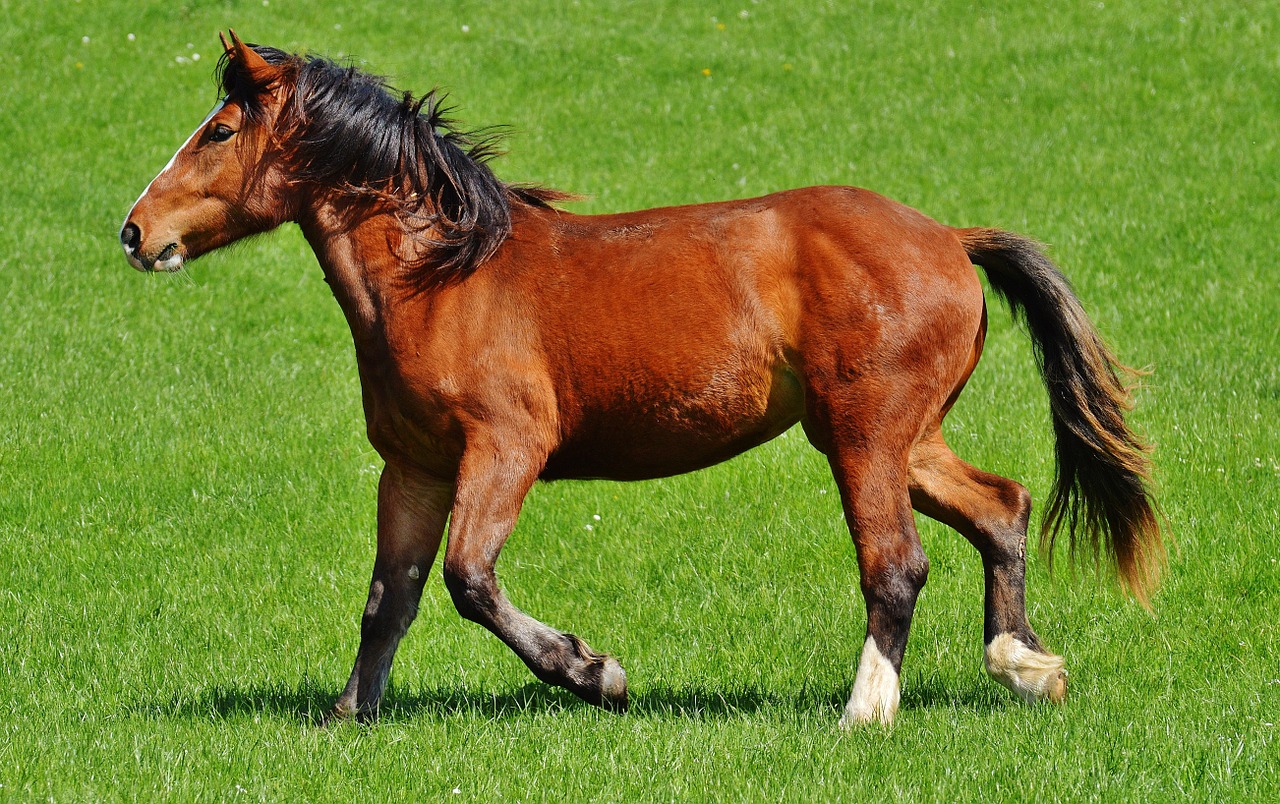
(130, 237)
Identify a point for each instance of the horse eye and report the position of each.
(221, 133)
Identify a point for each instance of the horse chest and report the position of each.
(409, 414)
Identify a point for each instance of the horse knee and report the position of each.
(472, 591)
(388, 612)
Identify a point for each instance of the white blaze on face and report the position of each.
(875, 691)
(174, 158)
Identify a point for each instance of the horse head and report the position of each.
(226, 182)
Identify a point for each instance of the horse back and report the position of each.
(703, 325)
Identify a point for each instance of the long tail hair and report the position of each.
(1103, 485)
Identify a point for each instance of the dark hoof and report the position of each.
(613, 686)
(335, 717)
(599, 679)
(340, 714)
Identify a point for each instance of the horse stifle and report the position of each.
(501, 340)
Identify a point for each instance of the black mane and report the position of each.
(350, 131)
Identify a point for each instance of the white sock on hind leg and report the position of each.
(1032, 675)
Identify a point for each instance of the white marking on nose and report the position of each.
(174, 158)
(171, 263)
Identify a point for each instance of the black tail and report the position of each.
(1104, 470)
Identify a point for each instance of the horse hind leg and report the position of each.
(892, 568)
(870, 474)
(991, 512)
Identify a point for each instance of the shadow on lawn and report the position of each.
(309, 701)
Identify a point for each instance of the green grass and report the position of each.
(186, 498)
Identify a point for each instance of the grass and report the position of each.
(186, 498)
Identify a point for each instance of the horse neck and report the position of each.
(358, 256)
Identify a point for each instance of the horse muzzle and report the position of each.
(168, 259)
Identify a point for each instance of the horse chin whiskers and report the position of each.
(182, 275)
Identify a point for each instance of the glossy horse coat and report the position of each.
(501, 340)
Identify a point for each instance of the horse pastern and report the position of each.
(864, 716)
(335, 717)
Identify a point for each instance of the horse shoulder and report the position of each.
(461, 364)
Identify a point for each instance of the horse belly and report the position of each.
(660, 436)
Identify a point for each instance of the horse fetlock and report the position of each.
(1031, 674)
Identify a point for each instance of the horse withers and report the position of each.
(501, 340)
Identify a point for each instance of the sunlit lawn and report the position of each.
(187, 499)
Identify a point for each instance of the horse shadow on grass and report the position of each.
(309, 701)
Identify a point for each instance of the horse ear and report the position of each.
(257, 68)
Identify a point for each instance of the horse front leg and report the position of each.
(490, 492)
(412, 510)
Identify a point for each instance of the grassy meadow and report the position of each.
(187, 497)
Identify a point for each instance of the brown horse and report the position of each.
(501, 340)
